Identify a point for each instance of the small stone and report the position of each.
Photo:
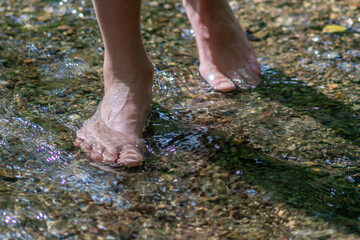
(312, 234)
(102, 227)
(281, 213)
(3, 84)
(161, 206)
(333, 86)
(356, 107)
(74, 117)
(332, 28)
(290, 224)
(110, 237)
(340, 95)
(28, 61)
(63, 27)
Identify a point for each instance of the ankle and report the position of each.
(132, 73)
(134, 62)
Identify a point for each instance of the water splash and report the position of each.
(65, 69)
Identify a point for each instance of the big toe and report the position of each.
(218, 81)
(224, 86)
(130, 156)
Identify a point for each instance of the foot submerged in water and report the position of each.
(112, 136)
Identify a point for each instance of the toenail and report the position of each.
(224, 86)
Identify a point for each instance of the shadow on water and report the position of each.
(327, 195)
(307, 100)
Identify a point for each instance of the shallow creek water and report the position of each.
(279, 162)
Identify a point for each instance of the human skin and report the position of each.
(227, 59)
(113, 134)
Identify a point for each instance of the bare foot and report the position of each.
(112, 135)
(226, 56)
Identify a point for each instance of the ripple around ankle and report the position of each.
(111, 136)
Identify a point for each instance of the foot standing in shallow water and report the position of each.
(113, 134)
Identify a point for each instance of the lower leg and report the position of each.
(119, 22)
(113, 133)
(226, 56)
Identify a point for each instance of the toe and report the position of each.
(110, 155)
(80, 136)
(216, 79)
(246, 78)
(241, 83)
(96, 156)
(254, 66)
(220, 82)
(80, 133)
(130, 157)
(252, 78)
(78, 141)
(85, 147)
(224, 86)
(96, 153)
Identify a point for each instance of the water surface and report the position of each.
(281, 161)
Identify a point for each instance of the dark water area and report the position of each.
(279, 162)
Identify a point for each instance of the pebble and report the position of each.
(74, 117)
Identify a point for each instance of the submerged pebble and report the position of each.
(279, 161)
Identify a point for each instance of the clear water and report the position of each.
(279, 161)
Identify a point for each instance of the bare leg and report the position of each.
(226, 56)
(113, 133)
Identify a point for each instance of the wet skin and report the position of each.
(113, 135)
(227, 59)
